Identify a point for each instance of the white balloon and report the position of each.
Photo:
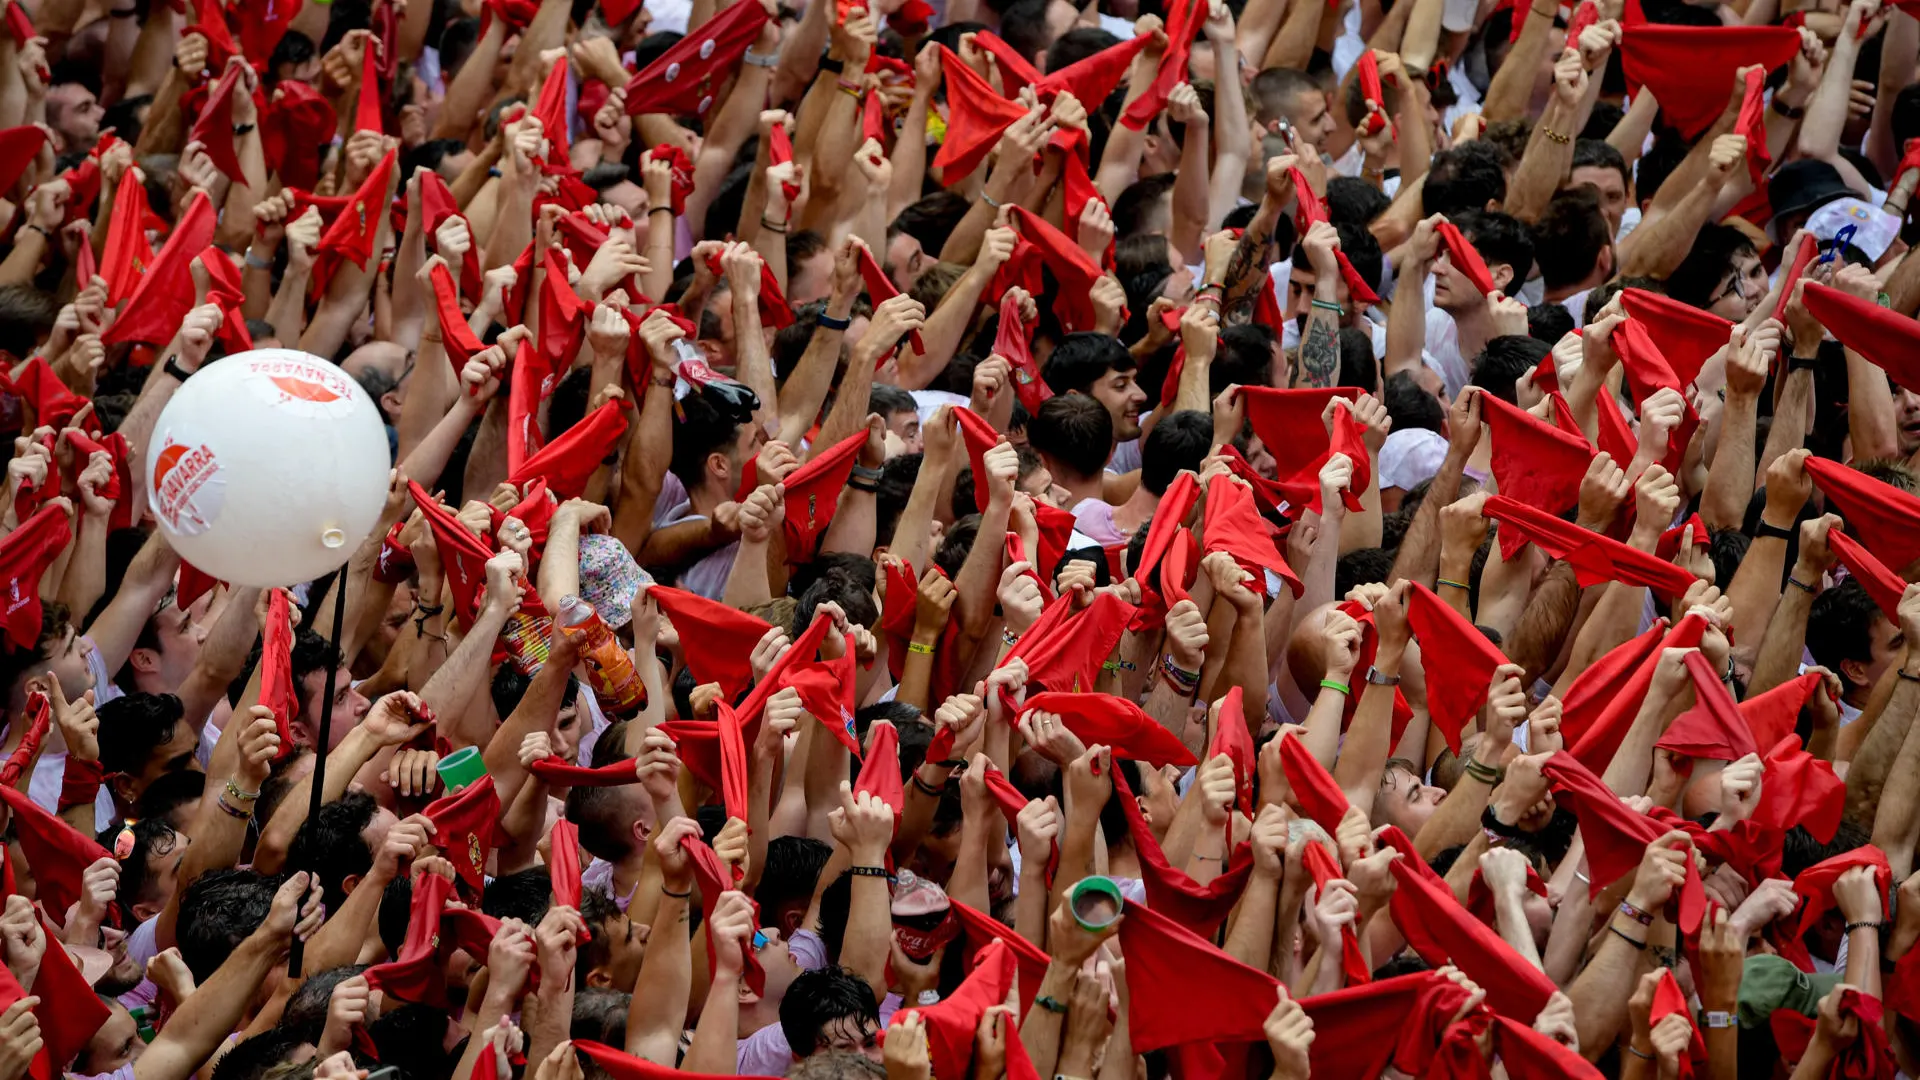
(268, 468)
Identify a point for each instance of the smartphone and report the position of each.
(385, 1072)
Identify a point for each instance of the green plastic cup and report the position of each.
(461, 768)
(1095, 903)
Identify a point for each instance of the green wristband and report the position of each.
(1329, 684)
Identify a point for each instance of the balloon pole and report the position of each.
(296, 953)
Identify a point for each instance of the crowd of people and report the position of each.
(939, 540)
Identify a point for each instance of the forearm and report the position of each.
(807, 387)
(1320, 341)
(1250, 937)
(1659, 245)
(1545, 622)
(208, 1015)
(1789, 428)
(454, 683)
(946, 328)
(658, 1011)
(1547, 160)
(1419, 554)
(1363, 757)
(1784, 641)
(1755, 587)
(86, 577)
(1600, 992)
(1730, 476)
(1827, 111)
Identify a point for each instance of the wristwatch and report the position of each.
(1775, 531)
(1375, 677)
(1717, 1019)
(173, 368)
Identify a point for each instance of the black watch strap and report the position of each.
(1803, 363)
(173, 368)
(1765, 530)
(828, 63)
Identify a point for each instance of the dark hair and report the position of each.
(1274, 87)
(1506, 358)
(26, 314)
(330, 845)
(704, 424)
(306, 1011)
(600, 1016)
(1840, 627)
(1023, 25)
(817, 998)
(1352, 201)
(1549, 321)
(848, 587)
(889, 401)
(1244, 356)
(1361, 567)
(1075, 430)
(169, 792)
(1178, 441)
(602, 815)
(1410, 406)
(791, 871)
(1600, 154)
(1699, 277)
(217, 912)
(133, 726)
(524, 894)
(837, 1065)
(1660, 160)
(252, 1058)
(1499, 238)
(932, 219)
(1570, 236)
(1137, 202)
(1465, 177)
(1076, 45)
(1357, 365)
(151, 836)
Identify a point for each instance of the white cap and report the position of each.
(1410, 456)
(1874, 230)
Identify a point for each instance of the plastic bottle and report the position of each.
(610, 671)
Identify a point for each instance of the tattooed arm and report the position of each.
(1244, 266)
(1320, 342)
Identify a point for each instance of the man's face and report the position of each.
(178, 636)
(852, 1033)
(811, 278)
(1300, 283)
(1311, 119)
(905, 260)
(349, 705)
(746, 446)
(777, 961)
(626, 195)
(174, 755)
(1743, 287)
(1906, 405)
(116, 1044)
(67, 661)
(567, 732)
(906, 424)
(163, 873)
(1612, 188)
(1123, 397)
(626, 947)
(1889, 644)
(1039, 485)
(1406, 801)
(74, 114)
(1451, 290)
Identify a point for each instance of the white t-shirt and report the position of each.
(708, 577)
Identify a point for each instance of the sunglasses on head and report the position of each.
(730, 396)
